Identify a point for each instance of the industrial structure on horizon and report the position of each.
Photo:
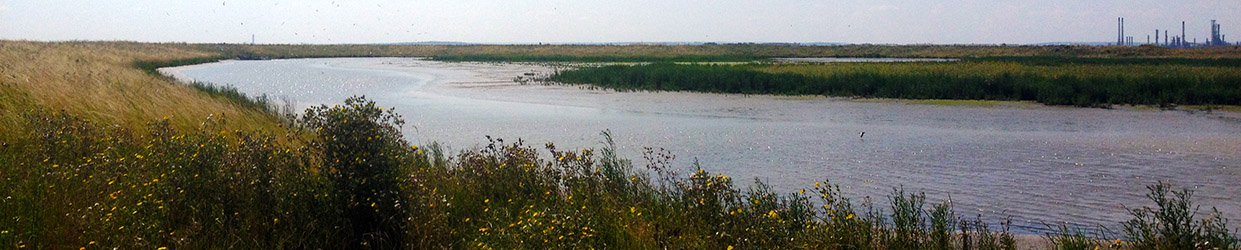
(1170, 41)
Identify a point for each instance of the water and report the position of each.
(1031, 162)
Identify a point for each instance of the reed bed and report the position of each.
(1065, 83)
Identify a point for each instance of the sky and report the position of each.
(580, 21)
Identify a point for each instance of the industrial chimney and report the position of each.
(1120, 35)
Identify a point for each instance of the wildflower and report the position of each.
(162, 248)
(850, 217)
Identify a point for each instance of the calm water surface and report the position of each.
(1031, 162)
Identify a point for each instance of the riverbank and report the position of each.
(150, 182)
(1089, 85)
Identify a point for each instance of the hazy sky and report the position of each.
(578, 21)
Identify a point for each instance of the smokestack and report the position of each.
(1120, 35)
(1156, 36)
(1183, 34)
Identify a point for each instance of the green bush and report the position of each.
(347, 179)
(362, 146)
(1171, 224)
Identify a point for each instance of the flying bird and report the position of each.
(860, 135)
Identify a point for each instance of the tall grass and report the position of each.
(123, 159)
(354, 183)
(1081, 85)
(99, 82)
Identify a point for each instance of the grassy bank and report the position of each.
(357, 184)
(1062, 83)
(99, 82)
(98, 154)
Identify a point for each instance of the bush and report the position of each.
(1171, 224)
(362, 146)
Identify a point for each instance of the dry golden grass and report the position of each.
(97, 80)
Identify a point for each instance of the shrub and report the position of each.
(1171, 223)
(361, 145)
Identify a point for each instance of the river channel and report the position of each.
(1032, 163)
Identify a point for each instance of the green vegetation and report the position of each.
(566, 58)
(355, 183)
(151, 67)
(97, 154)
(283, 112)
(1064, 84)
(1062, 61)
